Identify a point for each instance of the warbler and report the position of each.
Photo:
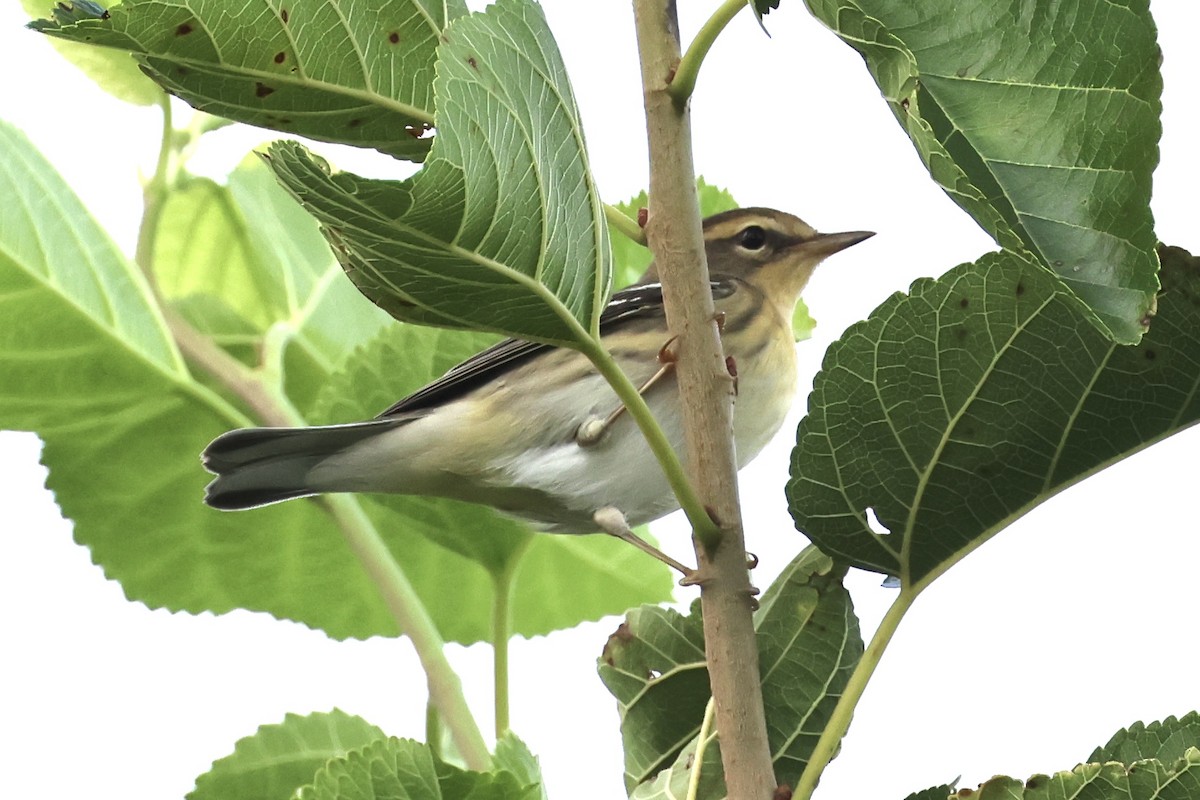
(533, 430)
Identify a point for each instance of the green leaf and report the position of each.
(246, 265)
(631, 259)
(809, 643)
(1041, 122)
(455, 552)
(279, 759)
(673, 783)
(358, 73)
(203, 254)
(654, 665)
(85, 326)
(1146, 780)
(763, 7)
(513, 756)
(88, 365)
(1166, 741)
(114, 72)
(401, 769)
(502, 230)
(321, 316)
(933, 793)
(957, 408)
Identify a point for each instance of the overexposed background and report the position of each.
(1072, 624)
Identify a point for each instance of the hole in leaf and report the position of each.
(422, 131)
(874, 524)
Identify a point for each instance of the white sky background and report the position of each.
(1073, 623)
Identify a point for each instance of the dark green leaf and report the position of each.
(502, 230)
(763, 7)
(1146, 780)
(1166, 741)
(1041, 121)
(279, 759)
(958, 407)
(933, 793)
(809, 644)
(358, 73)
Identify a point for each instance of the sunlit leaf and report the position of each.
(355, 72)
(502, 230)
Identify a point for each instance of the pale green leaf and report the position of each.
(960, 406)
(502, 230)
(249, 267)
(88, 365)
(114, 72)
(1040, 120)
(401, 769)
(356, 72)
(277, 760)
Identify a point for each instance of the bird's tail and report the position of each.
(258, 466)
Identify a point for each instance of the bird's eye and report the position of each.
(752, 238)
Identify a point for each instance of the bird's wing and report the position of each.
(640, 301)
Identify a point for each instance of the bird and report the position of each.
(534, 431)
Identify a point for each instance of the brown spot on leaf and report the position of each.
(261, 90)
(904, 104)
(964, 303)
(184, 29)
(1150, 355)
(473, 63)
(1020, 289)
(280, 57)
(355, 122)
(394, 37)
(283, 15)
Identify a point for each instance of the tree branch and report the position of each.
(706, 394)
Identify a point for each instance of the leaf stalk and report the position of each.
(684, 82)
(839, 720)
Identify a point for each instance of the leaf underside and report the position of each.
(961, 405)
(1040, 120)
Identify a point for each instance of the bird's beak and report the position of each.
(826, 244)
